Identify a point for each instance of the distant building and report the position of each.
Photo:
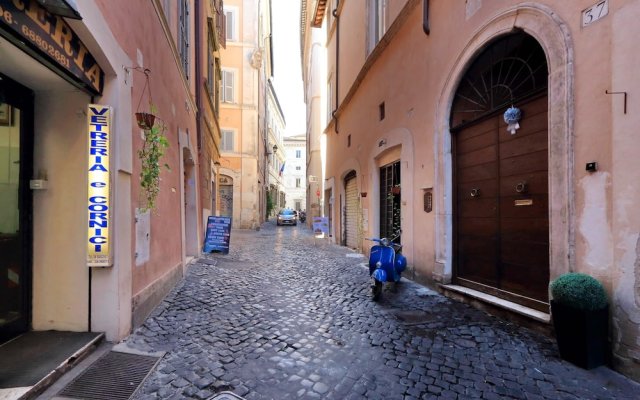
(246, 68)
(275, 148)
(313, 36)
(295, 182)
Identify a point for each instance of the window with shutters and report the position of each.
(377, 11)
(211, 67)
(183, 35)
(227, 140)
(228, 86)
(298, 153)
(231, 23)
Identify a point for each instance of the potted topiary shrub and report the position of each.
(580, 312)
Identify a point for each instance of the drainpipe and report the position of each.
(337, 17)
(198, 112)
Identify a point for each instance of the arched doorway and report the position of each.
(226, 196)
(350, 217)
(500, 179)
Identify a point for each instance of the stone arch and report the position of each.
(553, 35)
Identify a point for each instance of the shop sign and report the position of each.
(99, 185)
(49, 37)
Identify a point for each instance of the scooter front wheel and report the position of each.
(376, 290)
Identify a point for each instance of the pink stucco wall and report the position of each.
(146, 35)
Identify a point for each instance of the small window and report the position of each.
(228, 78)
(227, 140)
(298, 168)
(298, 153)
(230, 15)
(381, 111)
(377, 22)
(298, 182)
(348, 140)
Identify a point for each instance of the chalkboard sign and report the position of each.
(218, 235)
(321, 225)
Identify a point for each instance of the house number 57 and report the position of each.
(595, 12)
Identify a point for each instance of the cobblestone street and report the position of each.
(286, 316)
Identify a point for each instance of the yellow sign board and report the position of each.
(99, 187)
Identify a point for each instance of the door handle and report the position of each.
(521, 187)
(475, 192)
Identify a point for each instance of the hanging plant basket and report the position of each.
(395, 190)
(145, 120)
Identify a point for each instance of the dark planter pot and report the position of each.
(581, 335)
(145, 120)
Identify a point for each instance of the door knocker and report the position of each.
(475, 192)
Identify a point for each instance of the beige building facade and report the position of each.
(276, 151)
(294, 174)
(246, 66)
(417, 142)
(313, 37)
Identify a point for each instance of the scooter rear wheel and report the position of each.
(376, 290)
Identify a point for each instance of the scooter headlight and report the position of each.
(384, 241)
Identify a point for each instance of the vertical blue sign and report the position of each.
(218, 235)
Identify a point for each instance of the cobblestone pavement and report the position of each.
(285, 316)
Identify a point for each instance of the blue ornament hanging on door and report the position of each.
(512, 117)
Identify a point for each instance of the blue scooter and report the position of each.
(386, 263)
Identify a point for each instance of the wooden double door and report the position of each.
(502, 207)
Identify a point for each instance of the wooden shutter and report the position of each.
(229, 20)
(227, 86)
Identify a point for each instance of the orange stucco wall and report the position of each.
(415, 75)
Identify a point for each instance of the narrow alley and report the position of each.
(287, 316)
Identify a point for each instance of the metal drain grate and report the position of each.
(116, 376)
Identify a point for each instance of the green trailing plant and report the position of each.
(579, 291)
(153, 148)
(269, 204)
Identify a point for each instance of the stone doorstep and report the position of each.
(522, 315)
(31, 392)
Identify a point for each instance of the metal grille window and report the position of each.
(390, 222)
(512, 68)
(183, 36)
